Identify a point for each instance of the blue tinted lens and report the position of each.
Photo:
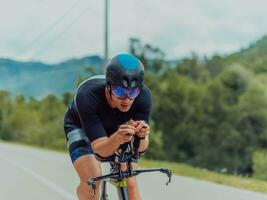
(122, 93)
(133, 93)
(119, 92)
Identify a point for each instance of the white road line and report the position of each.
(42, 179)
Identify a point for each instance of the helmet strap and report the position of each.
(109, 90)
(108, 95)
(109, 87)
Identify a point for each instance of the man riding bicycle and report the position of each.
(106, 112)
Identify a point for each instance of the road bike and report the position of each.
(127, 153)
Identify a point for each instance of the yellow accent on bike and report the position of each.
(121, 184)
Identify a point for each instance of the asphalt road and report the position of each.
(30, 173)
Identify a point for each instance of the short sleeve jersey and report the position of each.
(90, 110)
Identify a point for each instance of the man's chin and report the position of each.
(124, 109)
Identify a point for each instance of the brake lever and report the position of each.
(170, 176)
(168, 173)
(93, 184)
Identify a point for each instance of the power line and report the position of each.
(58, 36)
(106, 34)
(50, 27)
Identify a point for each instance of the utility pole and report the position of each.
(106, 34)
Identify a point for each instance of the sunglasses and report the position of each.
(122, 93)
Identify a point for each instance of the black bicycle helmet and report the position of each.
(125, 70)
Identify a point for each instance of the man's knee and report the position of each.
(85, 192)
(132, 183)
(87, 167)
(85, 175)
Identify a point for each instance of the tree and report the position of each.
(151, 57)
(6, 105)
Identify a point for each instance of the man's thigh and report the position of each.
(82, 154)
(87, 167)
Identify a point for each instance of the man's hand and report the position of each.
(125, 133)
(141, 127)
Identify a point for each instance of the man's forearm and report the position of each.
(106, 147)
(143, 144)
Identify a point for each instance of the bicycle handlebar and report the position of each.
(127, 174)
(122, 174)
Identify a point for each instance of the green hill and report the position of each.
(254, 57)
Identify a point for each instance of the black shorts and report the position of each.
(78, 144)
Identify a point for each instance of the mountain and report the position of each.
(36, 79)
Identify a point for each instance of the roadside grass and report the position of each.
(246, 183)
(203, 174)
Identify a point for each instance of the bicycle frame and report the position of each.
(122, 190)
(118, 177)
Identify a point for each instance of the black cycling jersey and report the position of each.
(90, 110)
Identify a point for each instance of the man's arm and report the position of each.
(143, 144)
(86, 104)
(141, 118)
(107, 146)
(142, 131)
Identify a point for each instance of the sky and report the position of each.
(55, 30)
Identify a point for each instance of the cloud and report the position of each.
(178, 27)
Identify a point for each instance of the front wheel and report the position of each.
(123, 193)
(104, 194)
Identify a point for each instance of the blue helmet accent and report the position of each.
(128, 61)
(125, 70)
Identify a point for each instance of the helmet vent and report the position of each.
(125, 82)
(134, 83)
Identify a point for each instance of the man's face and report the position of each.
(123, 98)
(123, 105)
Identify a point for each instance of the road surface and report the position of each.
(30, 173)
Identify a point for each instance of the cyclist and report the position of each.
(106, 112)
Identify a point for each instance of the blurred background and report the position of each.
(205, 61)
